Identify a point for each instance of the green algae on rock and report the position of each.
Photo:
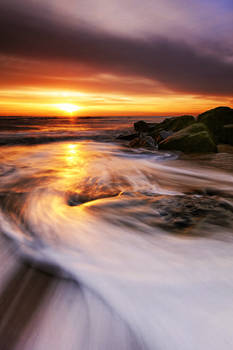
(193, 139)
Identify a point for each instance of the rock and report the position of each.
(193, 139)
(215, 119)
(167, 125)
(142, 126)
(189, 214)
(163, 135)
(75, 199)
(128, 137)
(148, 142)
(172, 125)
(135, 142)
(178, 123)
(144, 141)
(226, 135)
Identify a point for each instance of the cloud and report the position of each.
(34, 34)
(185, 19)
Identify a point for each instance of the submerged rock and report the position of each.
(191, 213)
(216, 119)
(193, 139)
(195, 213)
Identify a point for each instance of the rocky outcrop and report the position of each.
(193, 139)
(169, 124)
(216, 119)
(185, 133)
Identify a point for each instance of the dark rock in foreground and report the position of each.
(193, 139)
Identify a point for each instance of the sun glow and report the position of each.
(68, 107)
(47, 102)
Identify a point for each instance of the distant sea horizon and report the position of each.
(43, 129)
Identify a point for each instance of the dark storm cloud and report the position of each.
(182, 67)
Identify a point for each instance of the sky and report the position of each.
(115, 57)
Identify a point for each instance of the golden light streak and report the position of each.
(67, 107)
(46, 102)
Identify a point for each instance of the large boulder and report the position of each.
(227, 134)
(168, 124)
(142, 126)
(215, 119)
(177, 123)
(192, 139)
(172, 125)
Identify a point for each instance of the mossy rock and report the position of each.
(178, 123)
(168, 124)
(215, 119)
(172, 124)
(193, 139)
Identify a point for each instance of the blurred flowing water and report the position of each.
(103, 247)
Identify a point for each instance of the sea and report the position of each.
(107, 247)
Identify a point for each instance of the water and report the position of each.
(28, 130)
(104, 247)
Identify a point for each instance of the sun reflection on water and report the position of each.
(73, 155)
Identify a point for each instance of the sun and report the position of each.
(68, 107)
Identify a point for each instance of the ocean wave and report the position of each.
(132, 228)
